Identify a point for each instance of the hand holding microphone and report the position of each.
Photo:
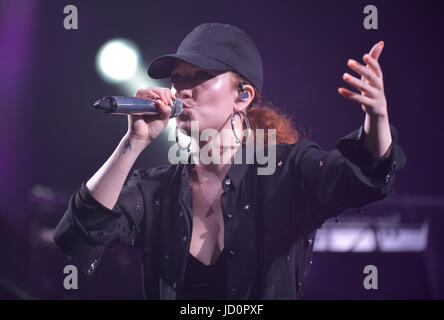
(148, 113)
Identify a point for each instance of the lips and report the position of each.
(184, 113)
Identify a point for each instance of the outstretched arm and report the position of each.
(363, 167)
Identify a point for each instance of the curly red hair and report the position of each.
(263, 114)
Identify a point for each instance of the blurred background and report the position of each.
(51, 139)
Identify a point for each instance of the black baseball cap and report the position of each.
(215, 46)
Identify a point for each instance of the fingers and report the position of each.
(147, 93)
(163, 94)
(373, 64)
(370, 85)
(167, 95)
(172, 95)
(366, 72)
(376, 50)
(372, 57)
(371, 80)
(132, 118)
(357, 97)
(164, 110)
(360, 85)
(166, 98)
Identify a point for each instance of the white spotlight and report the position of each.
(117, 60)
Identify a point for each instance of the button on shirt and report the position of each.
(270, 221)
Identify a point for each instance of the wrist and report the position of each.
(378, 117)
(134, 143)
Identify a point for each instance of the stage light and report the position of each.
(117, 60)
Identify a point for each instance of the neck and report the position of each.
(213, 159)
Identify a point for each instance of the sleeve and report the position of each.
(348, 176)
(87, 228)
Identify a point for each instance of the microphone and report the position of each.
(134, 105)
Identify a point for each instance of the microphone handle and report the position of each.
(134, 105)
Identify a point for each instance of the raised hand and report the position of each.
(371, 86)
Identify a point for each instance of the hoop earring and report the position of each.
(187, 148)
(244, 116)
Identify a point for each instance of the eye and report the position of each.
(202, 75)
(175, 78)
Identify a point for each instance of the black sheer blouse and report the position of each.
(270, 221)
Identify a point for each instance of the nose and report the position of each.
(184, 93)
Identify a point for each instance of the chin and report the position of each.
(184, 125)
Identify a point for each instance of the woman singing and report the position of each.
(221, 230)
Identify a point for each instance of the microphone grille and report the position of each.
(177, 108)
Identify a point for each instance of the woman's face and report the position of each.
(209, 96)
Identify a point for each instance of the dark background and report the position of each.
(51, 138)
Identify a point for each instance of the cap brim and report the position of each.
(161, 67)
